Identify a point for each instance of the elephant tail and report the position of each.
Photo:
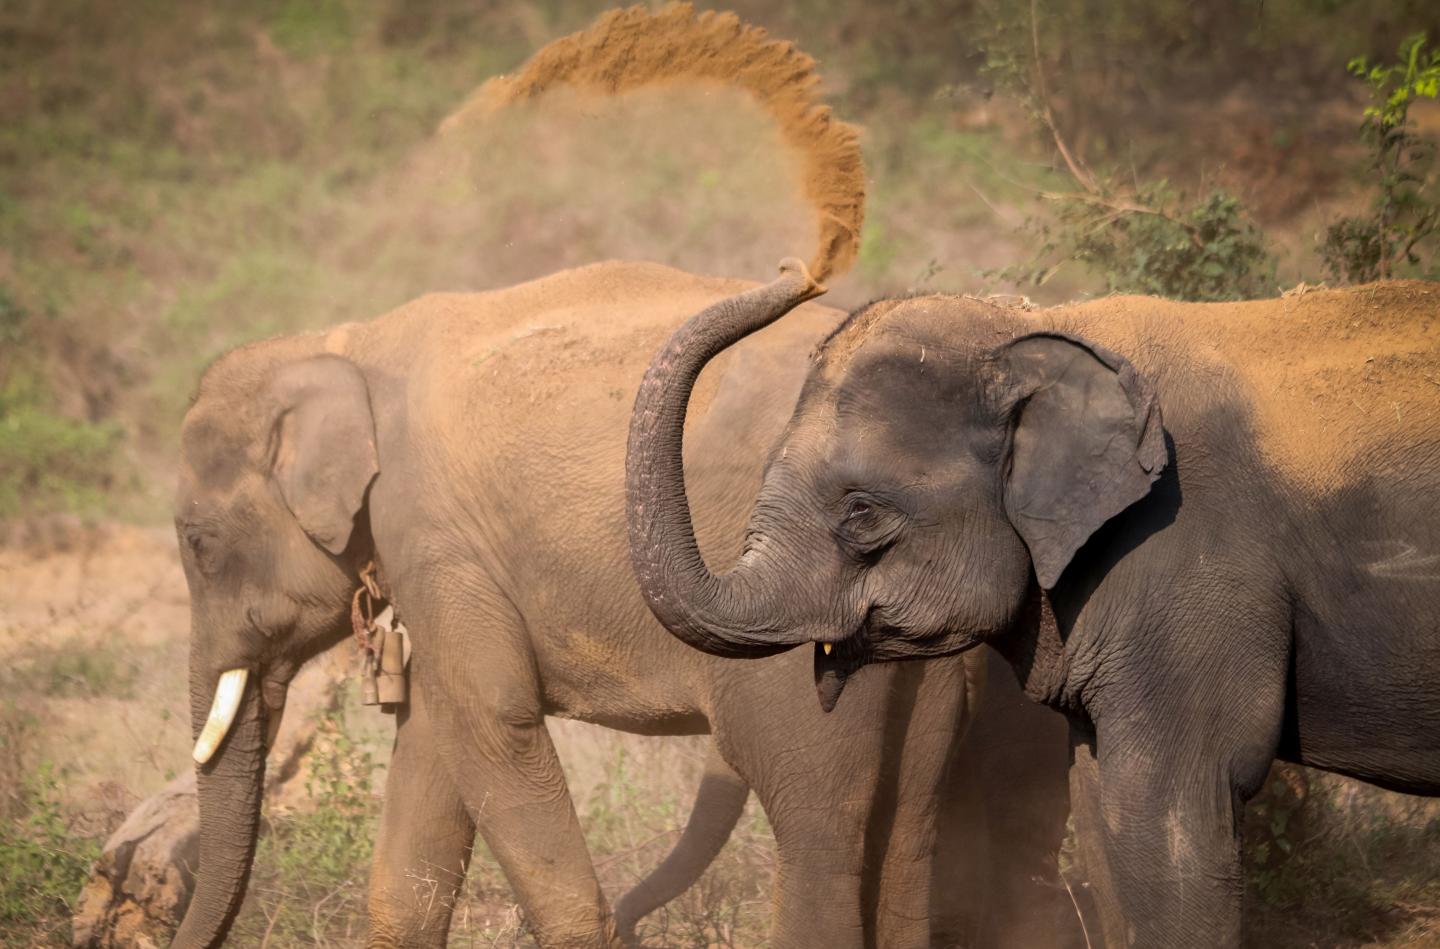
(718, 806)
(632, 48)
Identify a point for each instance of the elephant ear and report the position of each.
(1087, 444)
(323, 445)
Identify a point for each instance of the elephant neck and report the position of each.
(1035, 649)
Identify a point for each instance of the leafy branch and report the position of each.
(1142, 239)
(1403, 216)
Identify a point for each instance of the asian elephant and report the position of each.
(1208, 534)
(472, 445)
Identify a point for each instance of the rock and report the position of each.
(142, 883)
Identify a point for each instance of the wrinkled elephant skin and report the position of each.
(1208, 534)
(474, 446)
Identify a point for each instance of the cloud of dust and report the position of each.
(634, 48)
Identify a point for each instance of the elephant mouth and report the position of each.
(225, 704)
(835, 663)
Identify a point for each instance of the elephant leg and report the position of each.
(819, 860)
(959, 869)
(1097, 903)
(718, 808)
(1017, 753)
(424, 843)
(1169, 807)
(816, 775)
(1176, 754)
(491, 731)
(935, 700)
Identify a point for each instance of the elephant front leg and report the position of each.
(1168, 834)
(817, 793)
(492, 734)
(817, 899)
(517, 792)
(929, 711)
(818, 798)
(424, 843)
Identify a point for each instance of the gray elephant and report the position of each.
(1255, 576)
(472, 445)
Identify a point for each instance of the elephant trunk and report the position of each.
(716, 614)
(229, 787)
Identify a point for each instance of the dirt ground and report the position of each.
(94, 627)
(93, 647)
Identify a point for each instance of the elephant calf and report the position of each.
(473, 446)
(1254, 573)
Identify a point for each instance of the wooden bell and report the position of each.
(391, 680)
(369, 685)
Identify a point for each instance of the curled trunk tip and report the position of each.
(722, 615)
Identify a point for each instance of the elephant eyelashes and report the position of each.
(868, 526)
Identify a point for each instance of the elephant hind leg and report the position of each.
(718, 806)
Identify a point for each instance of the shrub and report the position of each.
(47, 461)
(1404, 214)
(312, 865)
(1155, 243)
(1141, 238)
(43, 862)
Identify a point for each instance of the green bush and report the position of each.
(1395, 236)
(49, 462)
(312, 865)
(1140, 237)
(325, 845)
(43, 862)
(1155, 243)
(1358, 866)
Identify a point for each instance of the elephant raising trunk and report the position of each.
(229, 787)
(718, 614)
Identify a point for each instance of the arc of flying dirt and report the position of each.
(631, 48)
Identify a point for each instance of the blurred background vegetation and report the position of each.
(178, 178)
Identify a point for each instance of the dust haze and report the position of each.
(176, 184)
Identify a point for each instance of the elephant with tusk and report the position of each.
(472, 445)
(228, 693)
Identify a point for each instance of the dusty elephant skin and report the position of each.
(473, 445)
(1209, 534)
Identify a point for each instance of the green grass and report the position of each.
(50, 462)
(308, 885)
(43, 864)
(76, 670)
(1359, 868)
(45, 852)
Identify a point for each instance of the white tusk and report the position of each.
(228, 693)
(274, 717)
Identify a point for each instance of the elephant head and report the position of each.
(943, 460)
(277, 454)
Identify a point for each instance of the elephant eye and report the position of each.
(204, 548)
(868, 526)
